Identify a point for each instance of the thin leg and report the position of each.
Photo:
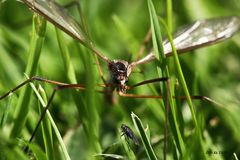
(100, 69)
(195, 97)
(60, 84)
(123, 134)
(36, 78)
(146, 40)
(148, 57)
(148, 81)
(204, 98)
(40, 119)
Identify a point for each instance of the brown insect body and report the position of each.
(119, 72)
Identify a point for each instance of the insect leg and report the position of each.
(34, 78)
(144, 44)
(194, 97)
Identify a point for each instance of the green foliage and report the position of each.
(146, 142)
(83, 124)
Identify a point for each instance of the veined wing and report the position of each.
(203, 33)
(199, 34)
(58, 16)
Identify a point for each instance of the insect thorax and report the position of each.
(119, 74)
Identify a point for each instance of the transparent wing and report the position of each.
(59, 16)
(199, 34)
(203, 33)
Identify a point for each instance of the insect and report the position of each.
(199, 34)
(128, 134)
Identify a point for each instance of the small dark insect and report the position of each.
(128, 134)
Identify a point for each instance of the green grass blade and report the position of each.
(91, 115)
(93, 119)
(112, 156)
(71, 76)
(38, 153)
(235, 156)
(59, 137)
(145, 140)
(162, 61)
(37, 38)
(85, 103)
(130, 154)
(6, 111)
(55, 129)
(46, 128)
(169, 15)
(68, 66)
(185, 89)
(181, 76)
(156, 36)
(79, 98)
(70, 73)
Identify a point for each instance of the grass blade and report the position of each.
(5, 111)
(185, 89)
(55, 129)
(38, 153)
(169, 15)
(163, 71)
(85, 102)
(130, 154)
(146, 142)
(235, 156)
(37, 39)
(46, 127)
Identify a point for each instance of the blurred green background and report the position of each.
(117, 29)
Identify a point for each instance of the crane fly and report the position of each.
(199, 34)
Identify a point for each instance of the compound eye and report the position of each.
(121, 67)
